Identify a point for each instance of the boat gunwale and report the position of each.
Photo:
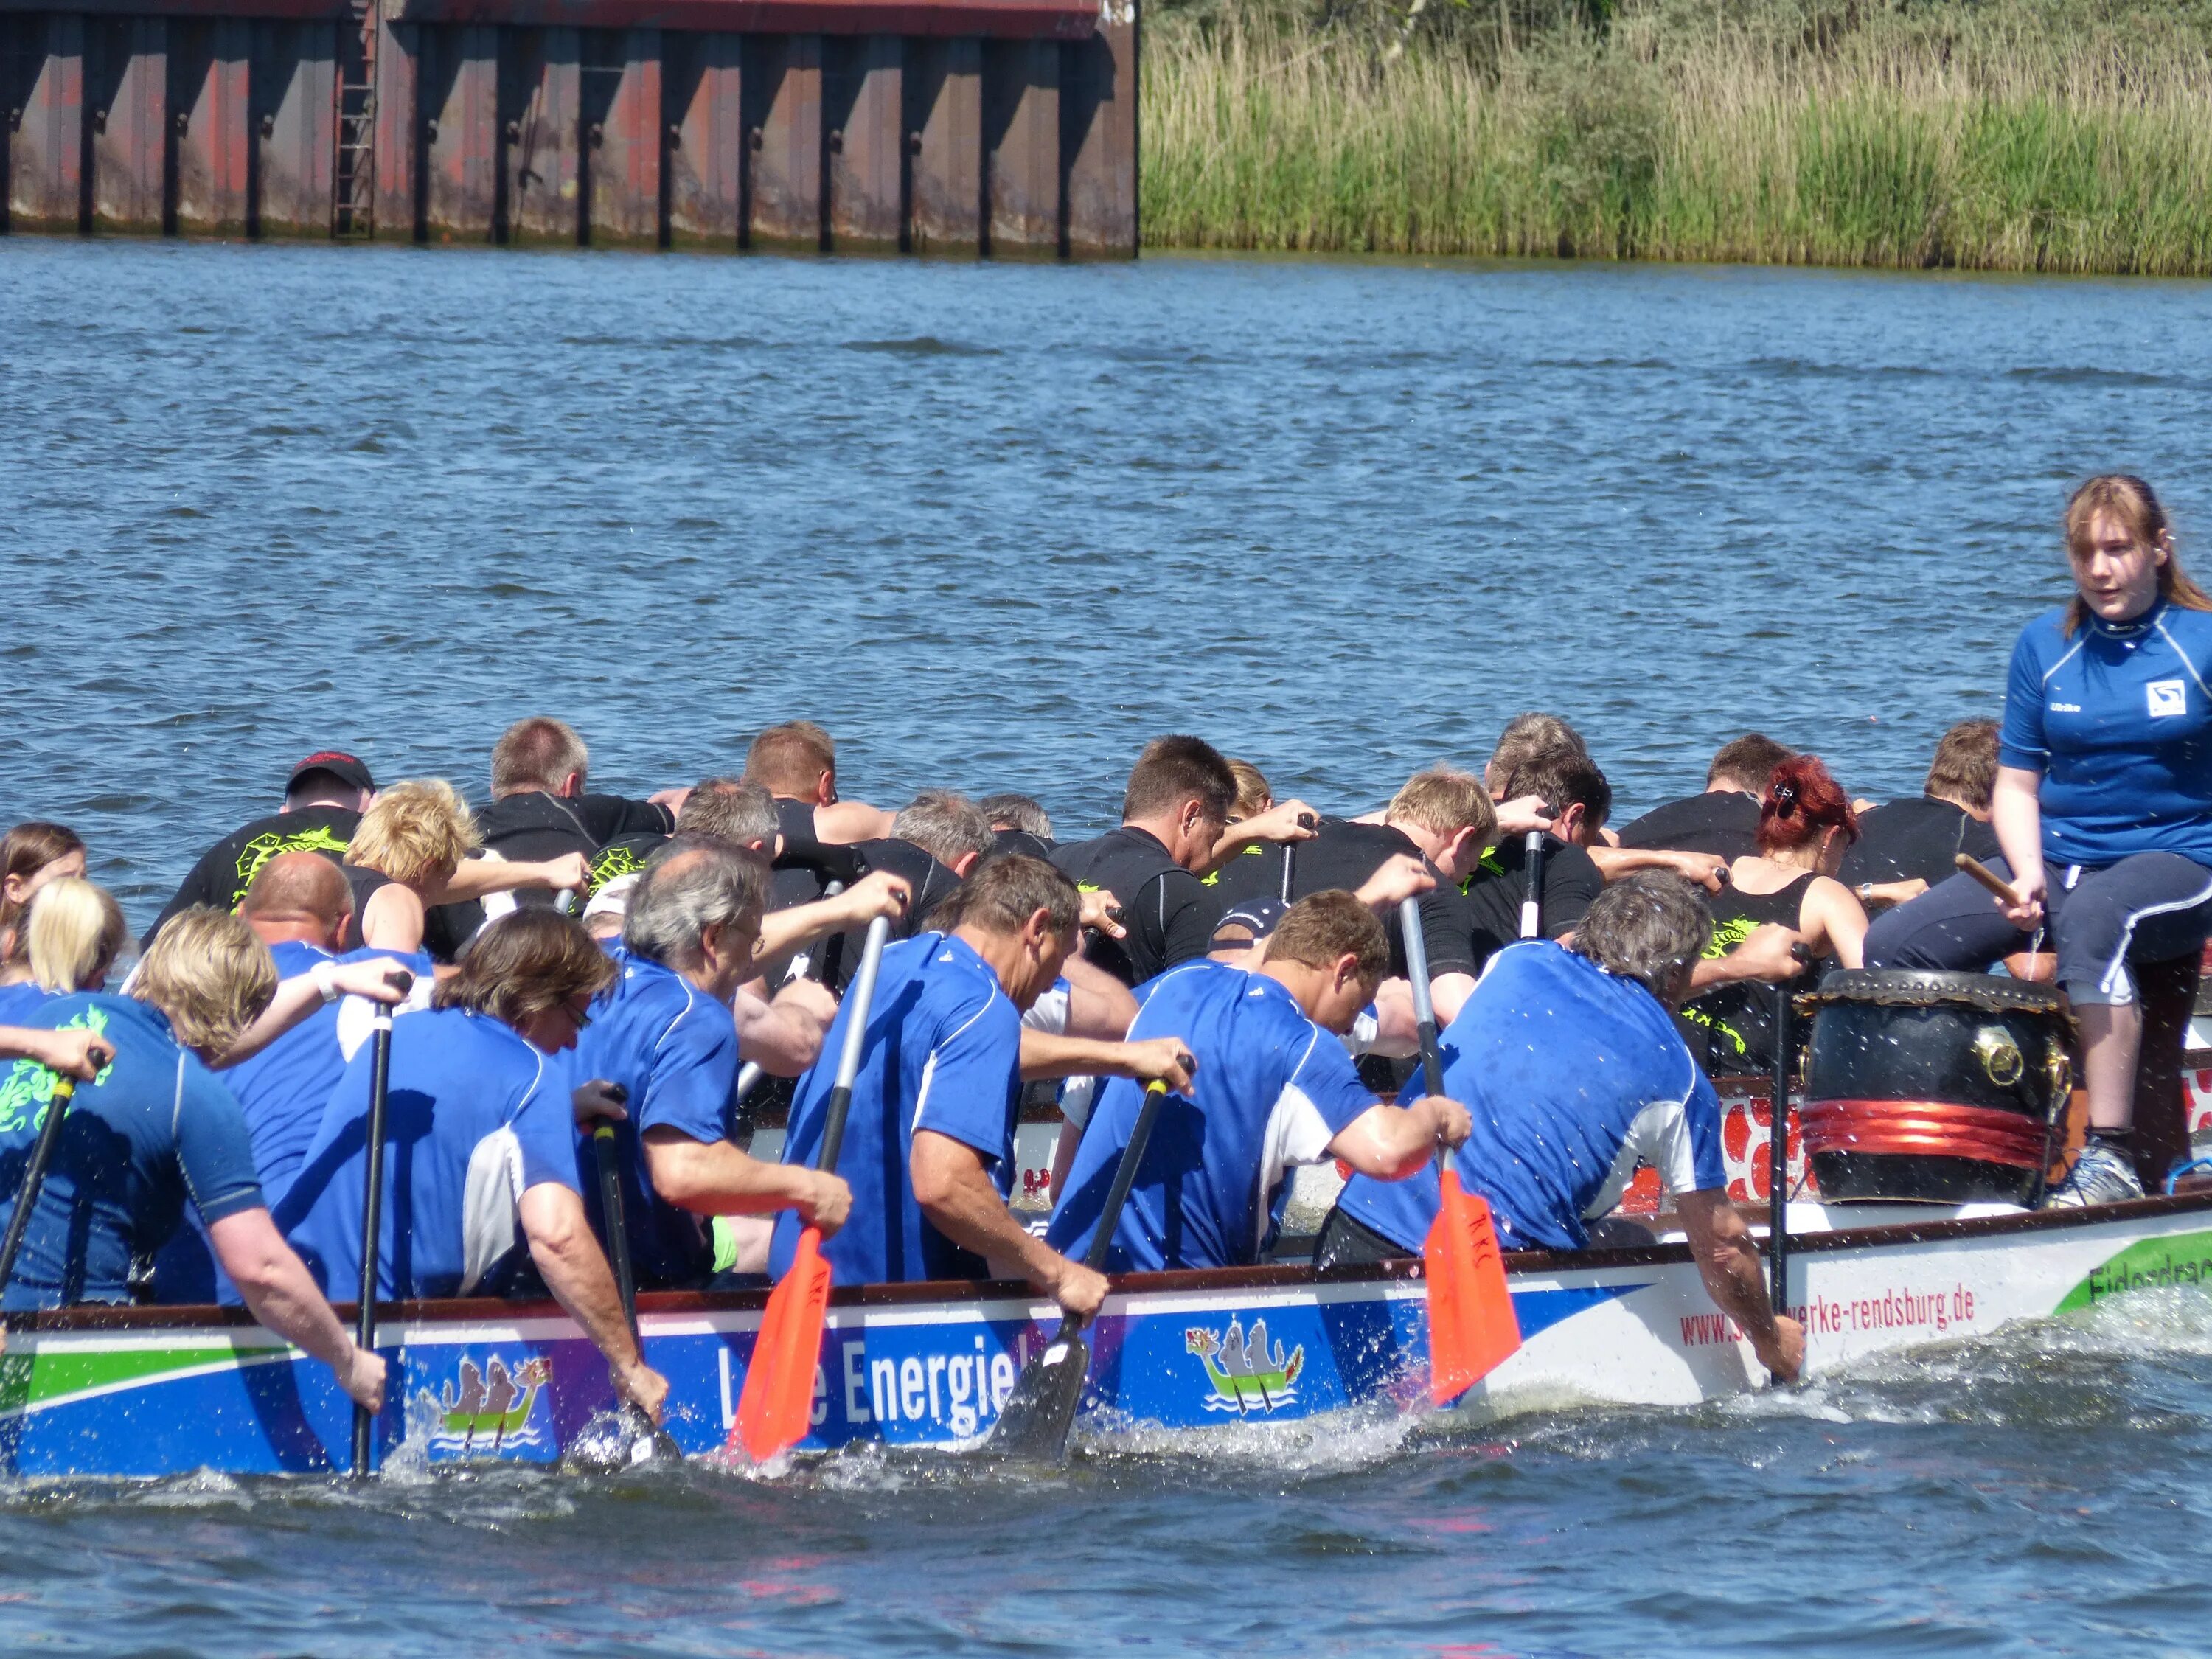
(117, 1317)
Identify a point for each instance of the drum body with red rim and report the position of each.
(1935, 1087)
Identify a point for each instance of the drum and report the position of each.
(1936, 1087)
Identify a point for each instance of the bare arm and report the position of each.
(1839, 921)
(1764, 955)
(714, 1178)
(281, 1294)
(849, 821)
(1279, 823)
(1728, 1259)
(785, 1034)
(1045, 1055)
(881, 894)
(956, 1195)
(2016, 814)
(301, 994)
(473, 879)
(1703, 868)
(391, 920)
(78, 1054)
(1391, 1142)
(1098, 1005)
(575, 1270)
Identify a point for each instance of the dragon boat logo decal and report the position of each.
(1247, 1374)
(482, 1413)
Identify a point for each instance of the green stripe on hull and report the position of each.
(2150, 1264)
(43, 1377)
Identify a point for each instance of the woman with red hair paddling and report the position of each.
(1806, 825)
(2103, 805)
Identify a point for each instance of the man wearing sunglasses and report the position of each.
(480, 1157)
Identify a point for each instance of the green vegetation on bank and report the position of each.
(2028, 134)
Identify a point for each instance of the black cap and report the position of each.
(348, 769)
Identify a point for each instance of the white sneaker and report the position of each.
(2102, 1175)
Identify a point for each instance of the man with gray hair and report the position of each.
(663, 1032)
(1570, 1064)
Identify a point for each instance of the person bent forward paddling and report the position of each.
(480, 1143)
(1573, 1072)
(663, 1031)
(153, 1128)
(1274, 1088)
(929, 1141)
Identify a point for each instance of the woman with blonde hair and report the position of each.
(68, 940)
(411, 853)
(2103, 805)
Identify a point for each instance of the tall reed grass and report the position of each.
(2003, 135)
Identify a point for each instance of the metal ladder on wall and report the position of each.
(353, 201)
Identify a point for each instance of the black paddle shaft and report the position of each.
(1532, 906)
(1777, 1154)
(605, 1154)
(1306, 821)
(371, 1227)
(34, 1176)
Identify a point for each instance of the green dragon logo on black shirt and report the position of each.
(262, 848)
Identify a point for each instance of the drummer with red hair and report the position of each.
(1806, 825)
(2103, 806)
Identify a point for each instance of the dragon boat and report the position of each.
(114, 1392)
(125, 1392)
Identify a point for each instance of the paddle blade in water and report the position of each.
(778, 1402)
(1034, 1423)
(1471, 1327)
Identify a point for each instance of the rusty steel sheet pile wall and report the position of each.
(1005, 128)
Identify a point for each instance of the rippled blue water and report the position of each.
(995, 526)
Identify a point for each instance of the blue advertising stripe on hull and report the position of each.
(162, 1392)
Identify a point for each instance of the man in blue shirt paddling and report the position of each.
(664, 1032)
(1274, 1088)
(155, 1129)
(929, 1141)
(480, 1143)
(1573, 1072)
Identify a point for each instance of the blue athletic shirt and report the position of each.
(18, 1003)
(674, 1049)
(153, 1129)
(469, 1102)
(1572, 1077)
(943, 1053)
(283, 1089)
(1271, 1091)
(2118, 722)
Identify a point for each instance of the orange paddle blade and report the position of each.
(1471, 1327)
(777, 1406)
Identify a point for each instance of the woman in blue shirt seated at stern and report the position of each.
(2103, 803)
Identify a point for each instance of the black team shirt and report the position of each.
(1723, 823)
(1170, 913)
(1341, 856)
(1902, 839)
(1494, 893)
(224, 871)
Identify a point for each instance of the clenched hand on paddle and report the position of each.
(1033, 1425)
(778, 1401)
(1471, 1327)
